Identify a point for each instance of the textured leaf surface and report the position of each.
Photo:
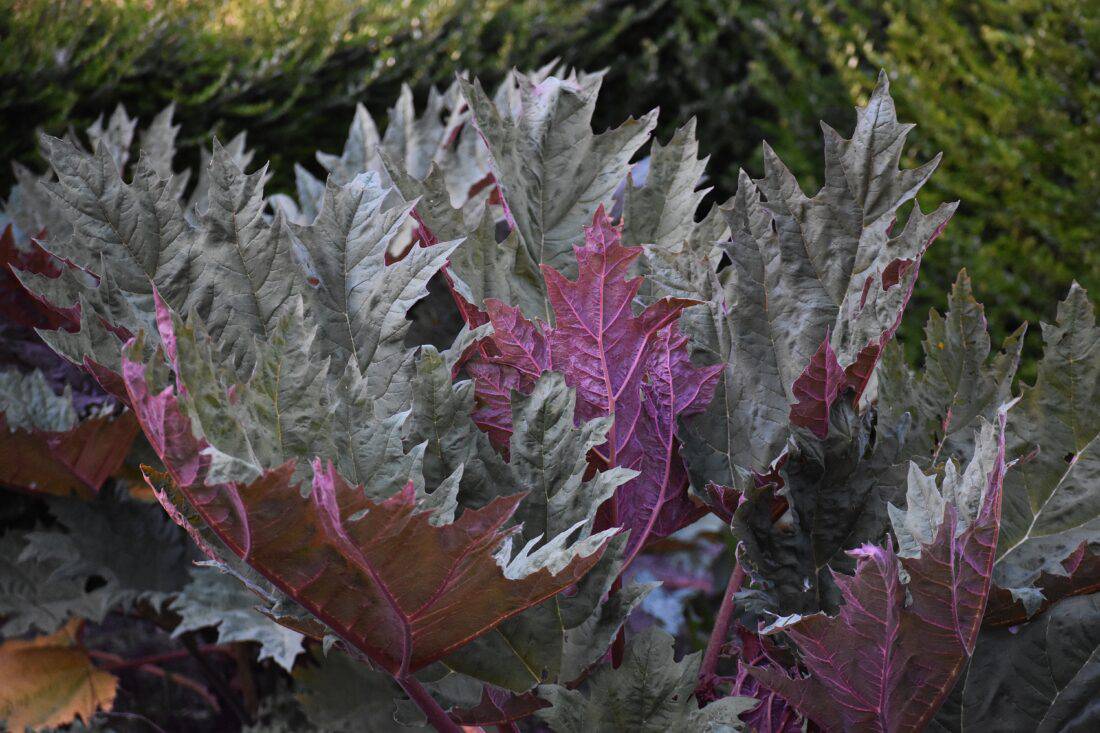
(553, 171)
(661, 211)
(892, 655)
(133, 549)
(1044, 676)
(651, 691)
(342, 695)
(213, 598)
(634, 367)
(50, 681)
(957, 384)
(44, 445)
(35, 596)
(343, 556)
(803, 269)
(1052, 500)
(828, 496)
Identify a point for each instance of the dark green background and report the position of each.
(1007, 89)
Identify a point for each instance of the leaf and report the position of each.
(661, 211)
(34, 596)
(28, 403)
(892, 655)
(651, 691)
(957, 384)
(1080, 575)
(634, 367)
(482, 269)
(343, 557)
(803, 269)
(1052, 500)
(816, 389)
(341, 695)
(1044, 676)
(96, 540)
(50, 681)
(16, 304)
(553, 171)
(45, 448)
(359, 301)
(827, 496)
(213, 598)
(561, 637)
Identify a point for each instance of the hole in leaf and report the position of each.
(94, 582)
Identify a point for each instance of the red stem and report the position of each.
(720, 632)
(423, 699)
(117, 663)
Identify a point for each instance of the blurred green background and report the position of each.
(1009, 90)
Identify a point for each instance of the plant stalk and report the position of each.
(437, 717)
(720, 632)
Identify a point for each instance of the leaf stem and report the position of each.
(423, 699)
(720, 632)
(216, 680)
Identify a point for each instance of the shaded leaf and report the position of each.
(213, 598)
(892, 655)
(651, 691)
(1052, 499)
(50, 681)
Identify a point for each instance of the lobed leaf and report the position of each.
(892, 655)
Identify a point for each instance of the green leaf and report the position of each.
(837, 491)
(28, 402)
(215, 599)
(34, 596)
(1052, 498)
(651, 691)
(662, 211)
(553, 171)
(803, 269)
(957, 384)
(1042, 676)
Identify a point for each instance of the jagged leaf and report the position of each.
(35, 596)
(662, 211)
(50, 681)
(634, 367)
(214, 598)
(342, 556)
(957, 384)
(130, 546)
(651, 691)
(803, 269)
(892, 655)
(553, 171)
(1052, 499)
(834, 495)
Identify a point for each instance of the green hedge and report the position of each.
(1007, 90)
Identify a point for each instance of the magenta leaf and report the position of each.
(891, 656)
(816, 389)
(632, 366)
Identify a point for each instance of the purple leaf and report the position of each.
(816, 389)
(634, 367)
(890, 658)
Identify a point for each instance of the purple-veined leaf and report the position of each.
(892, 655)
(634, 367)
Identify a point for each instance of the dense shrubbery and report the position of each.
(434, 423)
(1001, 88)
